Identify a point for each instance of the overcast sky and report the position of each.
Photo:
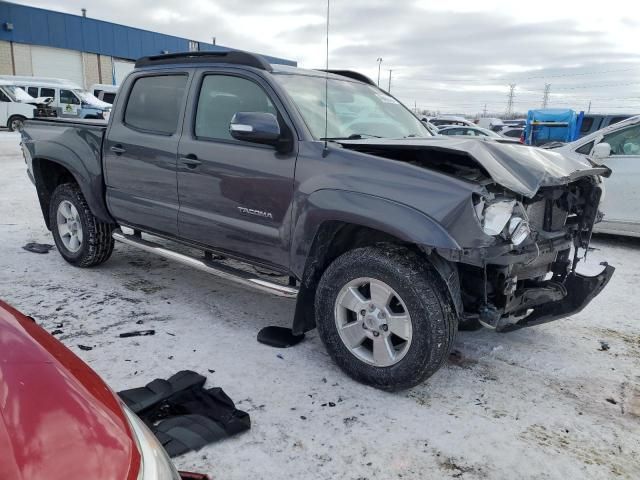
(452, 56)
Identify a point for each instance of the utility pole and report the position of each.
(589, 109)
(545, 98)
(379, 60)
(484, 110)
(389, 89)
(512, 90)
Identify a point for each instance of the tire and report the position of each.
(15, 123)
(416, 289)
(95, 242)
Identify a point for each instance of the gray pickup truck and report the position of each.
(389, 238)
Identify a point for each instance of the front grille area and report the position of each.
(536, 213)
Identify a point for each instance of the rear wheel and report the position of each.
(15, 123)
(80, 237)
(385, 316)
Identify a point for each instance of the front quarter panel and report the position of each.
(413, 204)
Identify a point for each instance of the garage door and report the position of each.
(57, 63)
(121, 69)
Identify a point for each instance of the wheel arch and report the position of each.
(337, 221)
(48, 174)
(11, 117)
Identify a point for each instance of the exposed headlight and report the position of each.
(519, 230)
(155, 464)
(496, 216)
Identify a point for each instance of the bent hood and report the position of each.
(519, 168)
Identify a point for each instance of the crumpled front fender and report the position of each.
(580, 291)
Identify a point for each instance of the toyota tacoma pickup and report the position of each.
(389, 238)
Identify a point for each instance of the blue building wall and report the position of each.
(37, 26)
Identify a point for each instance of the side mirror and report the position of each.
(255, 127)
(601, 151)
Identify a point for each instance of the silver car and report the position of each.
(617, 147)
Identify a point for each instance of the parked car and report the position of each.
(513, 132)
(516, 122)
(60, 421)
(104, 92)
(389, 237)
(69, 100)
(617, 147)
(431, 127)
(468, 131)
(15, 106)
(491, 123)
(592, 122)
(451, 120)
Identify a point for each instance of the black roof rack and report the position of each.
(351, 74)
(236, 57)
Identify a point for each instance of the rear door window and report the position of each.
(513, 133)
(155, 103)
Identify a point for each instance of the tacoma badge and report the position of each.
(258, 213)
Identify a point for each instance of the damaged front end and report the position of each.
(528, 276)
(522, 231)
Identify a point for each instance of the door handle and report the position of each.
(191, 161)
(117, 149)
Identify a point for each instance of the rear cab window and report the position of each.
(155, 102)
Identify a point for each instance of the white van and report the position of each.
(104, 92)
(15, 106)
(69, 100)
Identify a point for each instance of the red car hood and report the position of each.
(58, 419)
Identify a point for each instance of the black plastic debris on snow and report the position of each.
(279, 337)
(85, 348)
(137, 333)
(604, 346)
(183, 415)
(37, 247)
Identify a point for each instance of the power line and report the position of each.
(501, 78)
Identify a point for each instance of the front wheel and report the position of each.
(15, 123)
(385, 316)
(80, 237)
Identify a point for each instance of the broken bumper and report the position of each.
(580, 291)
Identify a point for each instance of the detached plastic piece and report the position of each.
(139, 399)
(193, 476)
(38, 247)
(183, 415)
(279, 337)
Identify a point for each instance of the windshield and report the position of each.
(17, 94)
(355, 110)
(89, 98)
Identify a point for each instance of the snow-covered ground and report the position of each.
(544, 402)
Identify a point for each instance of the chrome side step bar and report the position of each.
(211, 267)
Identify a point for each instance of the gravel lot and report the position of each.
(545, 402)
